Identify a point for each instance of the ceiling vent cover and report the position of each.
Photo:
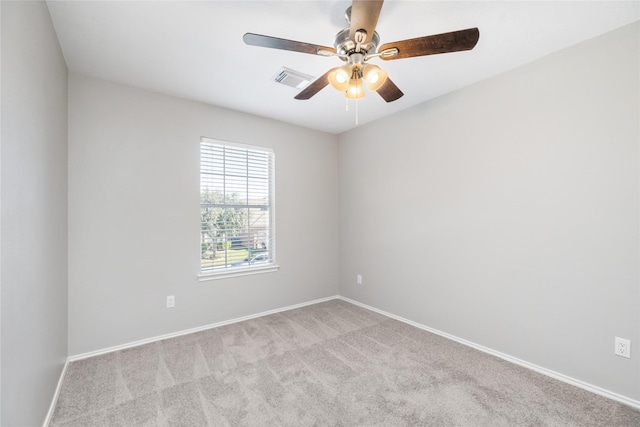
(292, 78)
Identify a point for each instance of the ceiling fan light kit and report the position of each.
(357, 44)
(348, 78)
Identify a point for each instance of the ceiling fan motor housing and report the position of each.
(345, 46)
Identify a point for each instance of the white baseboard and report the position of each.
(558, 376)
(47, 420)
(192, 330)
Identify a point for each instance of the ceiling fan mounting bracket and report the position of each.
(347, 15)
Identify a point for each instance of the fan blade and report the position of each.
(316, 86)
(364, 16)
(429, 45)
(389, 91)
(284, 44)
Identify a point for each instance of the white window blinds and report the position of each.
(236, 207)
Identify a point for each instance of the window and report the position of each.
(236, 209)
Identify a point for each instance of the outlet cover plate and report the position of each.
(171, 301)
(622, 347)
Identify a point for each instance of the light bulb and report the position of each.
(339, 78)
(375, 76)
(355, 89)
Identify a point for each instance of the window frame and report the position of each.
(226, 271)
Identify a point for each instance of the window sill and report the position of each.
(242, 272)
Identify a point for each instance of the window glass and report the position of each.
(236, 207)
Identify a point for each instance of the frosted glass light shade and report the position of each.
(375, 76)
(339, 78)
(355, 90)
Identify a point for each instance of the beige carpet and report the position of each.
(328, 364)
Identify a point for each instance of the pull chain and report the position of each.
(346, 108)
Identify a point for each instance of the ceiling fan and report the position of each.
(357, 44)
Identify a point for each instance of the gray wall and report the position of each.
(33, 214)
(134, 215)
(507, 213)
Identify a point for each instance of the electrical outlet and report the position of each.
(359, 279)
(171, 301)
(622, 348)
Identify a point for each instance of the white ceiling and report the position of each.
(194, 49)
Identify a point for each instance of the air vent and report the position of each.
(292, 78)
